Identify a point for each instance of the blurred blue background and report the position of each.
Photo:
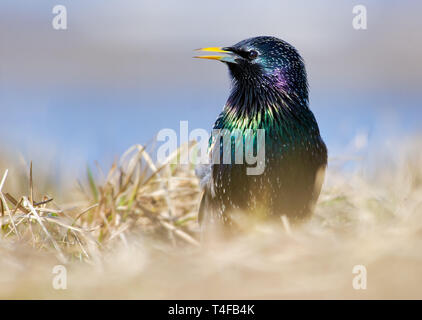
(123, 70)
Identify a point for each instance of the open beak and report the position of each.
(228, 56)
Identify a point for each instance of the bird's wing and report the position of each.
(203, 172)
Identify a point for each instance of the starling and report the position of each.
(270, 92)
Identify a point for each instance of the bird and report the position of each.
(269, 93)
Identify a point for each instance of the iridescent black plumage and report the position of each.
(270, 92)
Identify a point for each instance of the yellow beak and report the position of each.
(213, 49)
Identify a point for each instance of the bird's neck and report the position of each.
(267, 106)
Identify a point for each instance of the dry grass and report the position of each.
(135, 235)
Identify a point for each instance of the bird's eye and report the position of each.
(252, 54)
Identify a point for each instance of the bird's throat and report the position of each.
(264, 107)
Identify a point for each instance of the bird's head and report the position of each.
(263, 62)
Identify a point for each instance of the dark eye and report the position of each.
(252, 54)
